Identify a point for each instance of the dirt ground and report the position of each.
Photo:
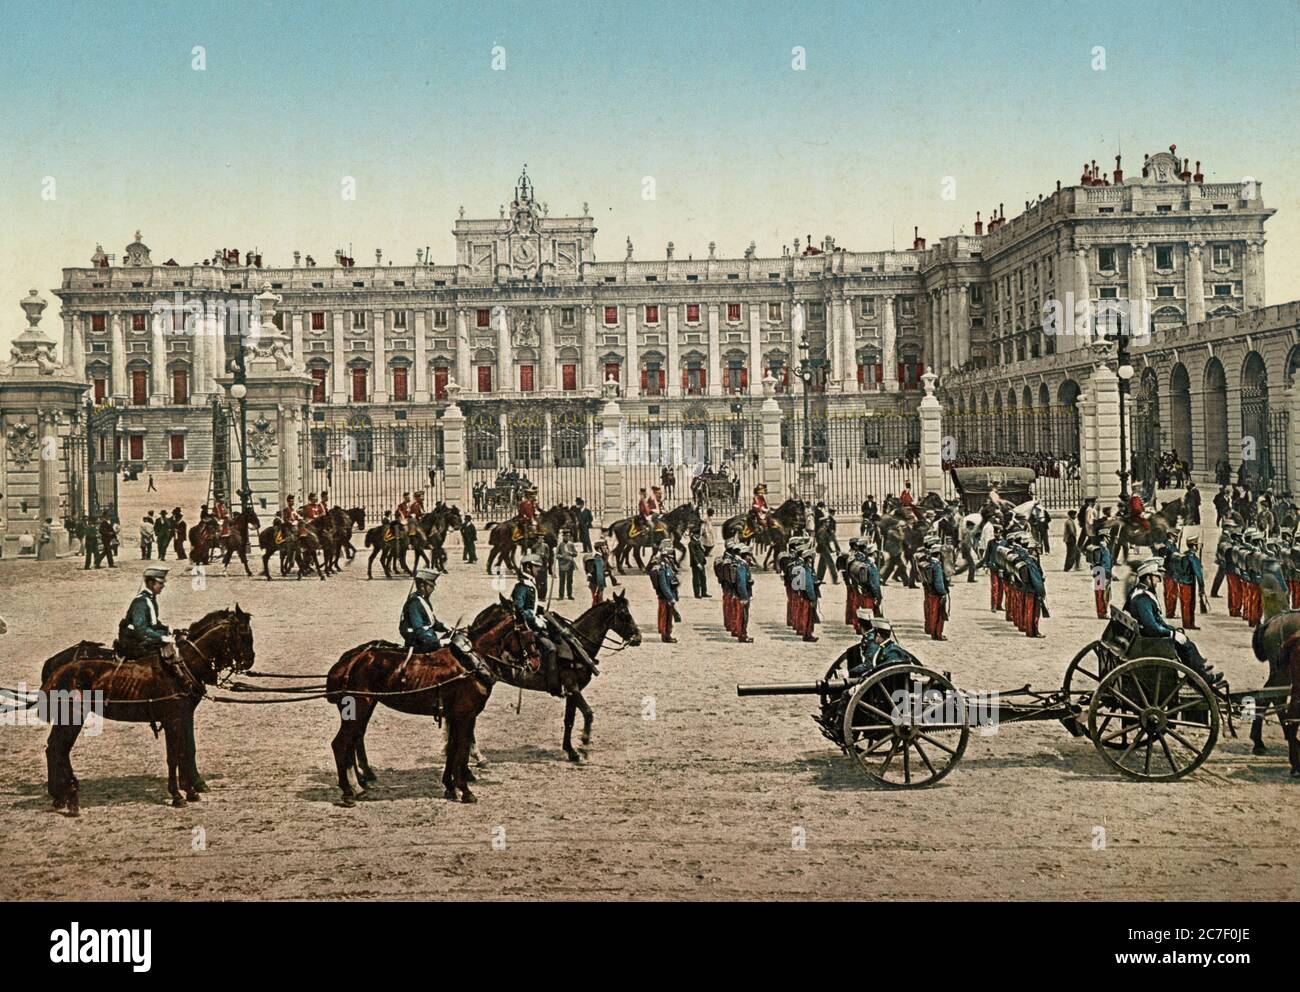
(688, 792)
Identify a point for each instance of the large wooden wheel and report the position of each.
(1084, 675)
(1164, 710)
(905, 726)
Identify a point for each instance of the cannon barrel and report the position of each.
(794, 688)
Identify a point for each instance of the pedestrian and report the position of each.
(107, 538)
(566, 557)
(162, 528)
(45, 535)
(585, 521)
(1222, 505)
(969, 551)
(90, 542)
(146, 537)
(178, 532)
(152, 488)
(708, 536)
(1192, 503)
(468, 537)
(1071, 542)
(698, 555)
(828, 546)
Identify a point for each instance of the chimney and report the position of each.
(1058, 185)
(1119, 173)
(979, 224)
(1199, 177)
(918, 242)
(1186, 174)
(1084, 178)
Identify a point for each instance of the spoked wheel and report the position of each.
(1084, 675)
(906, 726)
(1164, 710)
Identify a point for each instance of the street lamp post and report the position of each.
(239, 393)
(807, 369)
(1125, 373)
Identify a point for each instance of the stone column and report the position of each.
(462, 350)
(632, 374)
(1252, 286)
(756, 373)
(715, 353)
(1195, 283)
(835, 338)
(931, 437)
(548, 351)
(1087, 443)
(117, 355)
(453, 448)
(503, 432)
(610, 458)
(770, 413)
(591, 378)
(158, 359)
(421, 394)
(850, 342)
(379, 371)
(1104, 389)
(674, 375)
(218, 343)
(1293, 455)
(201, 370)
(889, 343)
(296, 346)
(1082, 292)
(945, 331)
(78, 358)
(339, 370)
(962, 328)
(505, 366)
(1137, 287)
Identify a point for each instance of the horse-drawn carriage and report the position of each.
(1149, 715)
(502, 496)
(974, 482)
(712, 487)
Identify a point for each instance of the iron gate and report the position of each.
(360, 464)
(715, 461)
(103, 454)
(852, 457)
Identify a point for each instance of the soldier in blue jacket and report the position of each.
(1189, 579)
(141, 631)
(663, 577)
(421, 630)
(742, 559)
(1103, 566)
(1144, 606)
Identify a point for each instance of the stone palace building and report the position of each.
(526, 313)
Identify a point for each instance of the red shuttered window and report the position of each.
(180, 387)
(318, 385)
(359, 385)
(611, 316)
(400, 384)
(526, 378)
(569, 378)
(139, 387)
(177, 445)
(485, 378)
(440, 383)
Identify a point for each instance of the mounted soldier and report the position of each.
(645, 511)
(292, 519)
(141, 632)
(758, 509)
(663, 577)
(1143, 605)
(222, 516)
(527, 510)
(549, 629)
(420, 628)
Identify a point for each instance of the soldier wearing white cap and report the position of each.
(1144, 606)
(421, 630)
(142, 631)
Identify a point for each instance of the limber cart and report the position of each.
(974, 482)
(1149, 716)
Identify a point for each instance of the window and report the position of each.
(569, 378)
(1222, 256)
(693, 380)
(612, 372)
(566, 316)
(733, 313)
(485, 378)
(1164, 258)
(482, 317)
(909, 307)
(318, 320)
(651, 314)
(318, 385)
(816, 312)
(1107, 293)
(976, 294)
(139, 387)
(101, 388)
(692, 313)
(1164, 291)
(97, 322)
(611, 316)
(653, 380)
(526, 378)
(135, 448)
(735, 378)
(1106, 259)
(359, 377)
(358, 320)
(1223, 289)
(1164, 208)
(180, 387)
(176, 443)
(440, 382)
(774, 311)
(399, 320)
(400, 384)
(440, 318)
(137, 322)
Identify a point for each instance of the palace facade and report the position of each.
(527, 313)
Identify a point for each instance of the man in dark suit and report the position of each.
(468, 537)
(585, 521)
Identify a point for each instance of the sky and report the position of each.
(111, 122)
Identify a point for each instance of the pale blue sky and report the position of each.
(701, 96)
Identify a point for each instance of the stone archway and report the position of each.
(1256, 422)
(1146, 440)
(1180, 413)
(1067, 397)
(1216, 415)
(1013, 422)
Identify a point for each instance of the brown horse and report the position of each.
(1123, 533)
(234, 543)
(506, 537)
(590, 630)
(786, 519)
(145, 691)
(430, 534)
(1277, 641)
(436, 684)
(672, 525)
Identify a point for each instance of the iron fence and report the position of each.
(371, 467)
(846, 459)
(714, 461)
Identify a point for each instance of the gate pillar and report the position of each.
(1103, 389)
(611, 454)
(40, 403)
(770, 413)
(453, 449)
(931, 437)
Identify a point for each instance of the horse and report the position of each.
(505, 537)
(434, 684)
(430, 534)
(788, 518)
(387, 542)
(1277, 641)
(672, 525)
(900, 538)
(142, 691)
(234, 543)
(591, 630)
(1123, 533)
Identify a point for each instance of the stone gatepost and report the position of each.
(1293, 442)
(453, 449)
(278, 397)
(931, 437)
(1087, 443)
(770, 413)
(1104, 389)
(40, 405)
(611, 454)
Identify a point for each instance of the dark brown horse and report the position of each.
(436, 684)
(590, 630)
(431, 533)
(507, 537)
(234, 543)
(88, 675)
(786, 519)
(672, 525)
(1123, 533)
(1277, 641)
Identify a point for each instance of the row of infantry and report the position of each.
(1243, 556)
